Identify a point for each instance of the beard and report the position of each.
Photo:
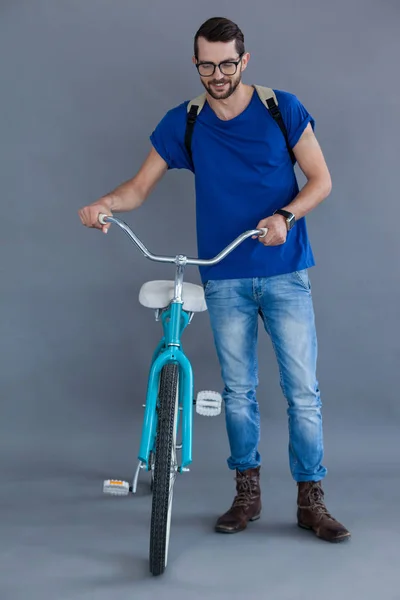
(226, 91)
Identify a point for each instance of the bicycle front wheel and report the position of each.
(165, 469)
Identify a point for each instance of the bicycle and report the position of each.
(170, 391)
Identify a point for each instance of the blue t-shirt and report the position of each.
(243, 173)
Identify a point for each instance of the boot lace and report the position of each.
(315, 496)
(246, 489)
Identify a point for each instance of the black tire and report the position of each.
(163, 478)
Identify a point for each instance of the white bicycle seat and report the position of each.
(158, 294)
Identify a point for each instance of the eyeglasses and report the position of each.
(227, 67)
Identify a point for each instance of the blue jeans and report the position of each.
(285, 305)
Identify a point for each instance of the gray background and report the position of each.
(83, 83)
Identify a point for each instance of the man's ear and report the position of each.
(245, 60)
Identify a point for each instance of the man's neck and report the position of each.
(234, 105)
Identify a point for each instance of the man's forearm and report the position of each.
(125, 197)
(311, 195)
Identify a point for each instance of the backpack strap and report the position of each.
(193, 110)
(268, 97)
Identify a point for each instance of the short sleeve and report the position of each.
(295, 116)
(168, 139)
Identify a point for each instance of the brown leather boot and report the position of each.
(246, 505)
(313, 514)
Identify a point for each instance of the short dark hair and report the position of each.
(219, 29)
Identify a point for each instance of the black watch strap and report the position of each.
(290, 218)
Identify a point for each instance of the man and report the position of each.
(243, 174)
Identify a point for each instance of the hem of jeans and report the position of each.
(307, 478)
(244, 467)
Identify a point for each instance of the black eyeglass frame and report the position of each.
(230, 62)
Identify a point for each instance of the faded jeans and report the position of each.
(285, 305)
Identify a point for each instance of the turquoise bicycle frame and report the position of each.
(169, 350)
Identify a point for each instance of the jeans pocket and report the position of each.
(206, 286)
(303, 278)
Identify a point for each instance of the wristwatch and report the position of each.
(290, 218)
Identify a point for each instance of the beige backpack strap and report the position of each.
(265, 94)
(199, 101)
(193, 110)
(270, 101)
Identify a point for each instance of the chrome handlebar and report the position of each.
(180, 259)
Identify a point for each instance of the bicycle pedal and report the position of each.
(208, 403)
(116, 487)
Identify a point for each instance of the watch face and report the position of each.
(290, 218)
(290, 221)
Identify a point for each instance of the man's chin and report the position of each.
(222, 95)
